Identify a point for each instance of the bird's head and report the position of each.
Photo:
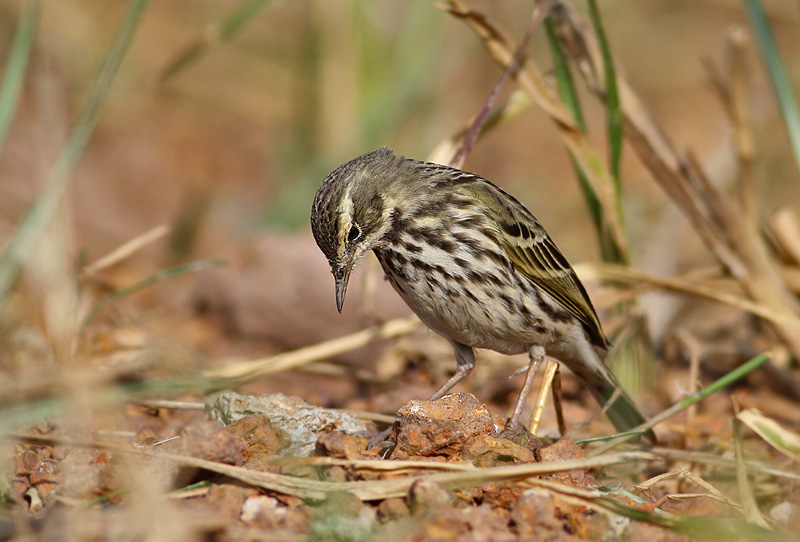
(351, 212)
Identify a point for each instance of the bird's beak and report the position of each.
(341, 284)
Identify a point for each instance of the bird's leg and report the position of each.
(535, 355)
(465, 358)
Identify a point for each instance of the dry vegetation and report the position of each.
(155, 256)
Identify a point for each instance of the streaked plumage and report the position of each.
(470, 260)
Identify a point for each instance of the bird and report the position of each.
(474, 265)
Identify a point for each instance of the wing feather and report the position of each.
(535, 255)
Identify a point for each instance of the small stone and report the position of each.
(534, 515)
(490, 451)
(392, 510)
(228, 499)
(501, 495)
(342, 516)
(30, 460)
(564, 450)
(207, 440)
(426, 428)
(261, 439)
(341, 446)
(336, 474)
(257, 506)
(425, 496)
(45, 484)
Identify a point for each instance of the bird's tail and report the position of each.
(604, 386)
(622, 411)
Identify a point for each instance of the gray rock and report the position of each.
(299, 418)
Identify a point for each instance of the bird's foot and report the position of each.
(515, 432)
(380, 442)
(518, 434)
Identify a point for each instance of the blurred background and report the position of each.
(227, 146)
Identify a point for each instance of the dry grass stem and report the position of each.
(692, 347)
(716, 218)
(174, 405)
(785, 441)
(529, 76)
(749, 504)
(394, 466)
(611, 272)
(126, 250)
(646, 488)
(720, 461)
(368, 490)
(549, 374)
(475, 128)
(785, 234)
(399, 487)
(331, 369)
(371, 416)
(516, 104)
(247, 370)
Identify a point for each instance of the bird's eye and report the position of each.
(353, 234)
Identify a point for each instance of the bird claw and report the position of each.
(380, 441)
(516, 433)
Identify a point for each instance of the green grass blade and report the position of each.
(569, 95)
(152, 279)
(236, 20)
(613, 110)
(38, 216)
(214, 35)
(699, 528)
(777, 73)
(720, 383)
(566, 85)
(614, 128)
(16, 66)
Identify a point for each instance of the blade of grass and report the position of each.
(569, 95)
(465, 147)
(749, 505)
(610, 250)
(614, 127)
(565, 83)
(710, 459)
(777, 73)
(250, 369)
(14, 75)
(516, 104)
(713, 215)
(628, 364)
(613, 110)
(722, 382)
(785, 441)
(213, 35)
(152, 279)
(121, 253)
(530, 77)
(617, 273)
(699, 528)
(40, 213)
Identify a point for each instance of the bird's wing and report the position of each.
(536, 256)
